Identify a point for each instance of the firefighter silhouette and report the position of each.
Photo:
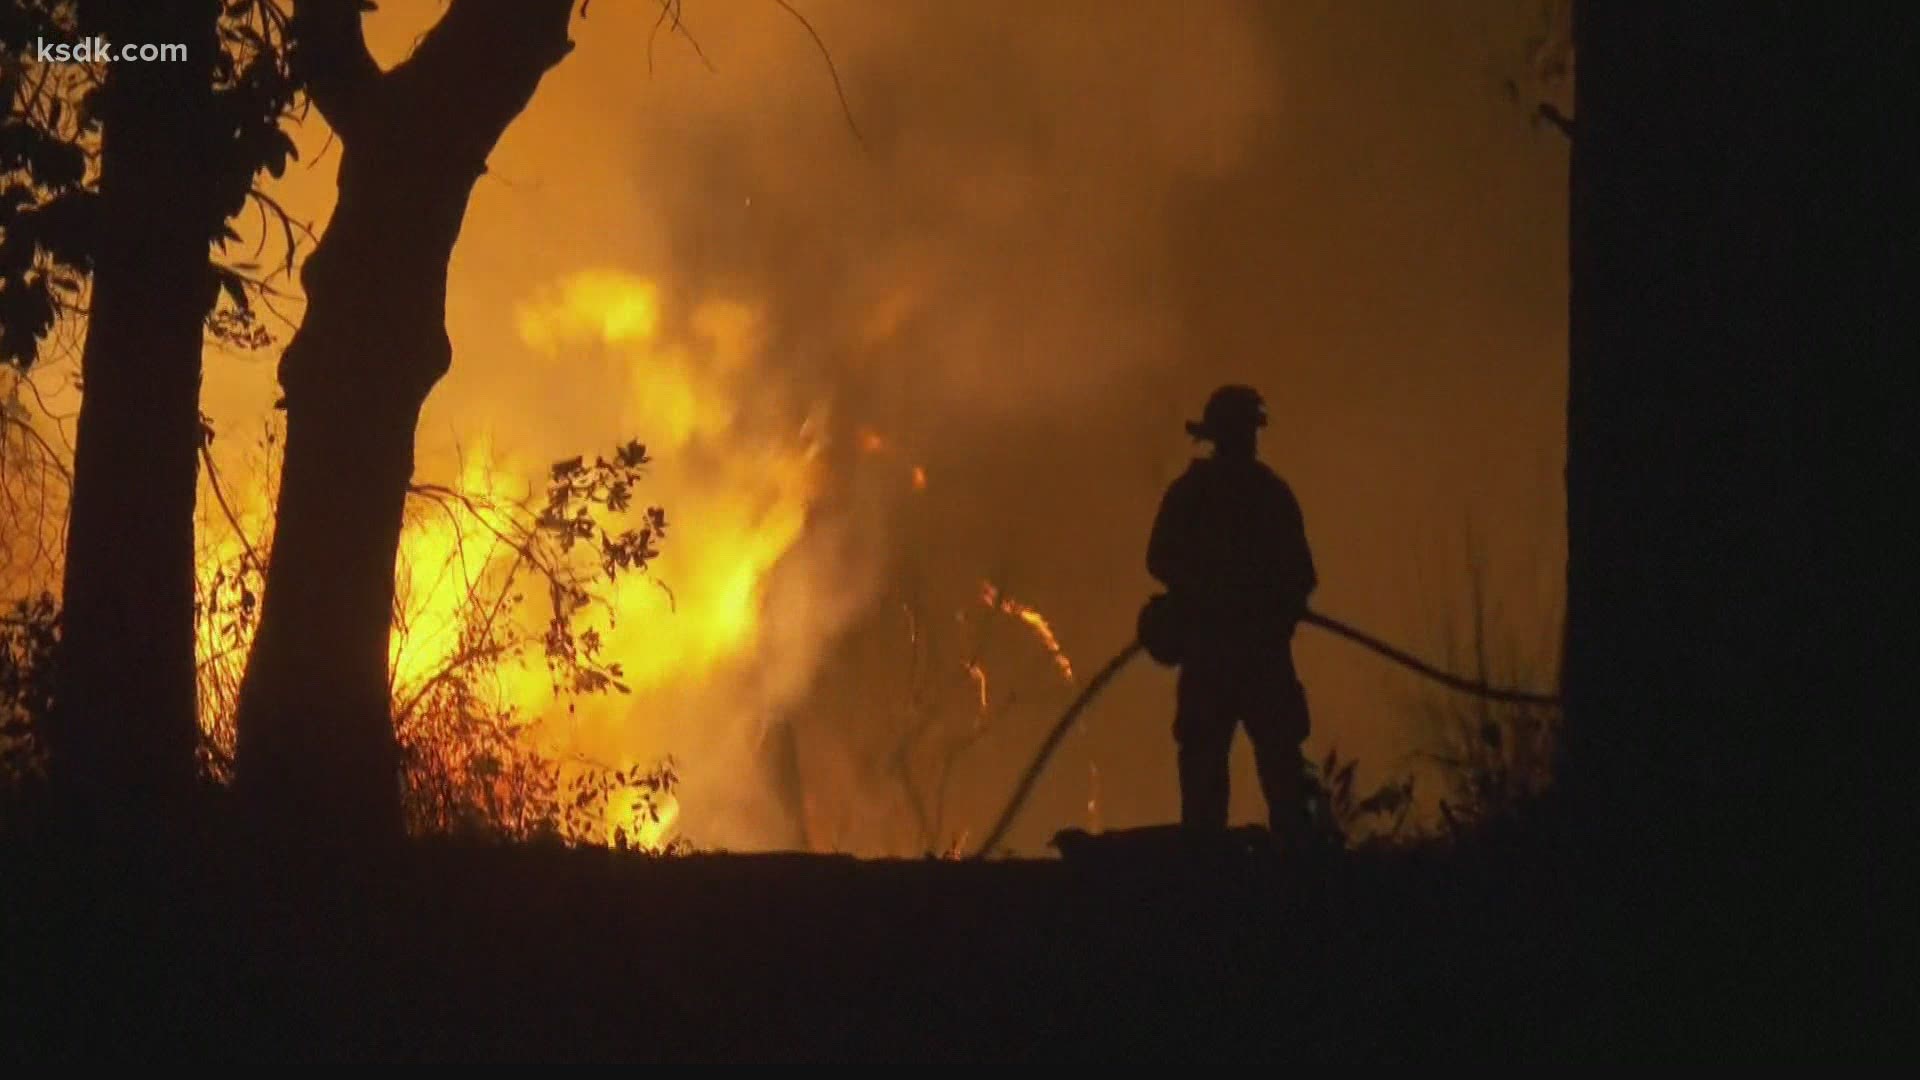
(1230, 545)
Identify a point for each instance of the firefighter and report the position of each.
(1230, 546)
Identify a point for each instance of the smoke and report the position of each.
(1047, 231)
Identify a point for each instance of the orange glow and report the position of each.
(979, 676)
(919, 478)
(737, 499)
(748, 513)
(991, 596)
(628, 820)
(871, 441)
(1093, 797)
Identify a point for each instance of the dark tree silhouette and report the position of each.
(315, 735)
(179, 143)
(1737, 320)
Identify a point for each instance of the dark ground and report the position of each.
(1125, 950)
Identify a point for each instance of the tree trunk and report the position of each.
(316, 750)
(1732, 398)
(124, 730)
(1686, 374)
(1732, 418)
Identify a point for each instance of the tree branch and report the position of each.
(233, 520)
(1551, 114)
(479, 66)
(833, 70)
(50, 457)
(330, 57)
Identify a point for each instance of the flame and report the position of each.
(628, 820)
(605, 304)
(737, 488)
(443, 561)
(979, 676)
(872, 442)
(991, 596)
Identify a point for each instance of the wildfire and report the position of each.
(979, 676)
(630, 821)
(446, 557)
(991, 596)
(873, 443)
(737, 487)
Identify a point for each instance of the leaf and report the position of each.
(233, 285)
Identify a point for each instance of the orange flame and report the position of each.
(1042, 629)
(979, 676)
(628, 820)
(739, 493)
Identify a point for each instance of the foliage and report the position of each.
(568, 521)
(28, 634)
(49, 145)
(1342, 818)
(255, 99)
(473, 762)
(473, 765)
(1496, 760)
(50, 140)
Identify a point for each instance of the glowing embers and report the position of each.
(991, 596)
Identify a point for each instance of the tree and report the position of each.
(138, 170)
(315, 732)
(1738, 321)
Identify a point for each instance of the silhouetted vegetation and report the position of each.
(120, 181)
(28, 636)
(469, 767)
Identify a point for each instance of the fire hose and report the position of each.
(1121, 659)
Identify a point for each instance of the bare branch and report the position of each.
(666, 6)
(1551, 114)
(678, 25)
(832, 70)
(40, 401)
(289, 224)
(50, 457)
(220, 496)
